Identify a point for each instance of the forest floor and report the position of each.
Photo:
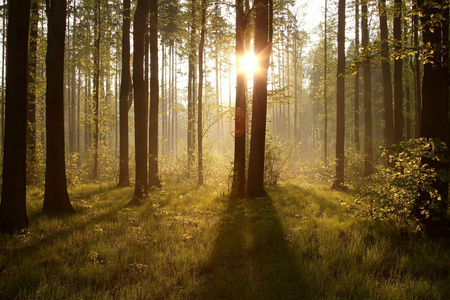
(188, 242)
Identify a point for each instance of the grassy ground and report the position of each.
(188, 243)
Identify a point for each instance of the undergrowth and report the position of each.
(188, 242)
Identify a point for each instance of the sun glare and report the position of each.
(249, 64)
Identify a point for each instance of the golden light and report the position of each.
(249, 64)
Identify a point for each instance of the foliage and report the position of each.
(391, 192)
(279, 153)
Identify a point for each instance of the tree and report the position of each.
(140, 102)
(124, 105)
(153, 177)
(263, 48)
(56, 198)
(96, 92)
(340, 99)
(240, 119)
(435, 120)
(398, 74)
(356, 104)
(325, 100)
(191, 88)
(200, 93)
(31, 110)
(13, 214)
(387, 81)
(368, 152)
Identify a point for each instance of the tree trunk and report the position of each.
(417, 77)
(368, 152)
(263, 48)
(153, 177)
(191, 90)
(325, 100)
(31, 115)
(398, 75)
(13, 214)
(340, 99)
(240, 120)
(124, 175)
(97, 33)
(356, 104)
(140, 103)
(200, 94)
(387, 81)
(435, 122)
(56, 198)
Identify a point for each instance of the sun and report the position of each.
(249, 64)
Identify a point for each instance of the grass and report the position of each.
(186, 242)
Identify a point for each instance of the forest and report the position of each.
(224, 149)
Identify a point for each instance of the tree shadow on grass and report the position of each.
(251, 258)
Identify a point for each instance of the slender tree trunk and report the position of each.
(191, 90)
(13, 214)
(325, 100)
(153, 177)
(417, 77)
(97, 33)
(140, 103)
(399, 123)
(387, 82)
(56, 198)
(368, 152)
(31, 115)
(408, 113)
(356, 104)
(340, 99)
(124, 177)
(200, 94)
(263, 48)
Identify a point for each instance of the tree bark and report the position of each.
(56, 198)
(435, 120)
(387, 81)
(13, 214)
(200, 94)
(153, 177)
(356, 96)
(263, 48)
(31, 111)
(240, 117)
(140, 102)
(399, 123)
(340, 99)
(368, 152)
(97, 33)
(124, 174)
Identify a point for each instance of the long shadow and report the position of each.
(251, 258)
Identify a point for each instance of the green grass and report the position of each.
(186, 242)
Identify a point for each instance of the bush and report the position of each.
(390, 193)
(277, 157)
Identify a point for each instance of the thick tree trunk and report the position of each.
(140, 102)
(13, 214)
(153, 177)
(263, 48)
(340, 99)
(31, 111)
(240, 120)
(56, 198)
(124, 177)
(368, 151)
(435, 120)
(387, 81)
